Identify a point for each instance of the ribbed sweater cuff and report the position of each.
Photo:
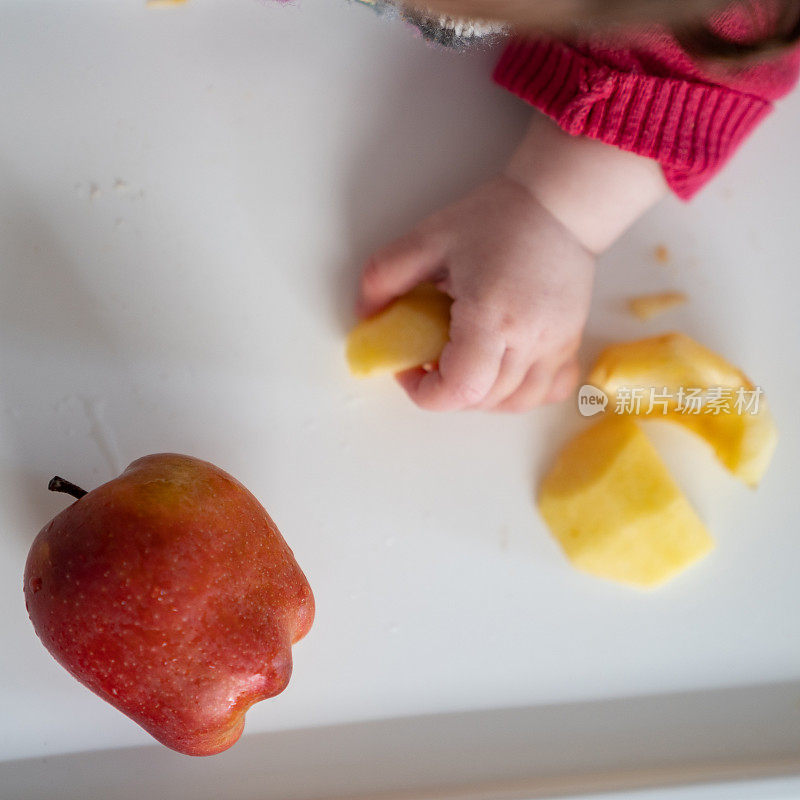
(690, 128)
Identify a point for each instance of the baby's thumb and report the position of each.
(396, 269)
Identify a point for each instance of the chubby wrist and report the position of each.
(595, 190)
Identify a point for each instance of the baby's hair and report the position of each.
(778, 21)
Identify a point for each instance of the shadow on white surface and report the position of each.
(611, 745)
(48, 317)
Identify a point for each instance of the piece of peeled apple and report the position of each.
(410, 332)
(670, 366)
(647, 306)
(616, 511)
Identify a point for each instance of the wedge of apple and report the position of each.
(410, 332)
(616, 511)
(737, 422)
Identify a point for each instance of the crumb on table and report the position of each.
(661, 254)
(647, 306)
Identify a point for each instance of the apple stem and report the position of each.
(60, 485)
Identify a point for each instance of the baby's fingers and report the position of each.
(564, 381)
(468, 368)
(396, 269)
(513, 369)
(546, 382)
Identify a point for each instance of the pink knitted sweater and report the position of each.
(646, 95)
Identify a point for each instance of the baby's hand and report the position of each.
(521, 285)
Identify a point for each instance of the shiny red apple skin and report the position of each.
(170, 593)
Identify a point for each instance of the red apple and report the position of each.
(170, 593)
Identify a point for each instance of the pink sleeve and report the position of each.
(649, 97)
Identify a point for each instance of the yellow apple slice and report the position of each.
(616, 511)
(410, 332)
(737, 423)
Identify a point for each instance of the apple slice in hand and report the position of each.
(409, 332)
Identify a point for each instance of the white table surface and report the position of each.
(185, 199)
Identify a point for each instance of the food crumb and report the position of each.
(504, 537)
(647, 306)
(120, 185)
(661, 254)
(94, 191)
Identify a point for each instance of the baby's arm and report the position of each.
(517, 256)
(645, 94)
(597, 191)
